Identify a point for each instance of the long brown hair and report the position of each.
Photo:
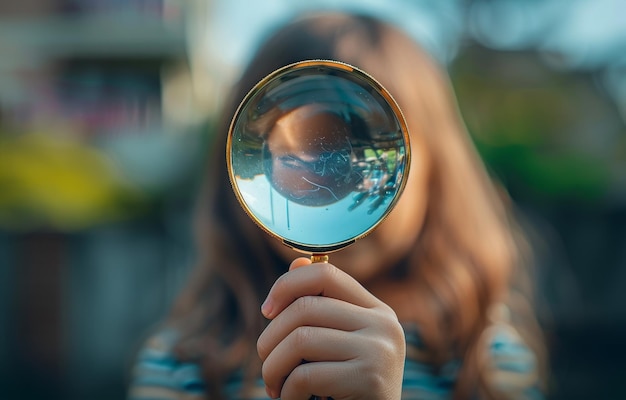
(467, 251)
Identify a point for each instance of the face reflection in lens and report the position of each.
(308, 156)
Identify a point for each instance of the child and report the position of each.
(420, 308)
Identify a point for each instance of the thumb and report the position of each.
(299, 262)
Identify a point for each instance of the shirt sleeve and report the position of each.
(158, 375)
(514, 369)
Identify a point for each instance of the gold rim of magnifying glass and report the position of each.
(319, 252)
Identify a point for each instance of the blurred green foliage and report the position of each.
(549, 136)
(48, 180)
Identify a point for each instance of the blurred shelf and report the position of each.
(113, 35)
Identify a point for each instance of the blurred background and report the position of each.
(105, 115)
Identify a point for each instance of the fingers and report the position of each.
(328, 336)
(313, 280)
(305, 344)
(312, 311)
(321, 379)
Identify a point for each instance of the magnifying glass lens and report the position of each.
(318, 154)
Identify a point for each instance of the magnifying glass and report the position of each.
(318, 154)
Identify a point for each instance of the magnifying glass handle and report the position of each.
(319, 258)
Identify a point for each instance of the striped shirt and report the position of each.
(158, 375)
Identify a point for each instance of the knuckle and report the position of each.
(390, 323)
(389, 340)
(376, 383)
(387, 312)
(304, 305)
(395, 343)
(302, 336)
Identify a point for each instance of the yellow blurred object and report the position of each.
(50, 181)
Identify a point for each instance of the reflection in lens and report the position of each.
(308, 156)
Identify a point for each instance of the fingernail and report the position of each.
(270, 393)
(266, 308)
